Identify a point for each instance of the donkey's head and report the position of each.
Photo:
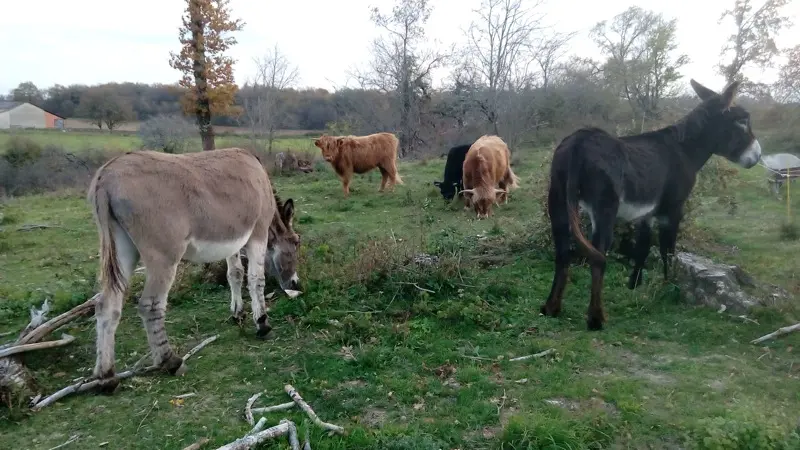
(283, 247)
(726, 127)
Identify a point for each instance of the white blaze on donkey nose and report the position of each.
(751, 155)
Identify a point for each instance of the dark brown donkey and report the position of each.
(637, 178)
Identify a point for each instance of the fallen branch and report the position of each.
(199, 347)
(248, 409)
(269, 409)
(196, 446)
(307, 441)
(38, 317)
(85, 385)
(39, 332)
(36, 226)
(15, 349)
(417, 286)
(537, 355)
(310, 412)
(262, 422)
(251, 440)
(294, 443)
(70, 441)
(776, 333)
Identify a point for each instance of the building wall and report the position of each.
(27, 116)
(5, 120)
(53, 121)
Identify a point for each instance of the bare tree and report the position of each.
(550, 51)
(501, 45)
(402, 66)
(753, 43)
(641, 65)
(274, 73)
(787, 88)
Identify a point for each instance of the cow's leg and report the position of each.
(256, 250)
(640, 252)
(602, 233)
(108, 312)
(152, 309)
(667, 237)
(504, 196)
(346, 176)
(235, 278)
(384, 178)
(559, 226)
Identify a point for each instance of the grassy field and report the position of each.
(76, 140)
(407, 356)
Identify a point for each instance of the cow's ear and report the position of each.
(339, 141)
(437, 183)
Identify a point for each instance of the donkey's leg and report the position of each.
(640, 252)
(559, 224)
(152, 310)
(235, 278)
(667, 237)
(601, 240)
(256, 254)
(108, 311)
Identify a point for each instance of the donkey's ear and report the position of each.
(730, 93)
(703, 92)
(288, 211)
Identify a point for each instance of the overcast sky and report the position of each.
(89, 42)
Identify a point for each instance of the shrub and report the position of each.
(28, 168)
(170, 134)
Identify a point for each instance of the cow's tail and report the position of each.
(396, 179)
(111, 278)
(574, 165)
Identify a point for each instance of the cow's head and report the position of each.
(448, 189)
(330, 146)
(482, 200)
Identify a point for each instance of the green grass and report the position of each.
(77, 141)
(402, 368)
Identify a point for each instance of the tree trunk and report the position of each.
(202, 103)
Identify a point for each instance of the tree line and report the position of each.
(512, 75)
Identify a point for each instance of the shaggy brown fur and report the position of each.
(360, 154)
(487, 166)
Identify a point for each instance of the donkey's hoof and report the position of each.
(174, 366)
(546, 312)
(107, 386)
(594, 324)
(236, 320)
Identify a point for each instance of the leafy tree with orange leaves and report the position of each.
(207, 71)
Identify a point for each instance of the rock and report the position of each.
(705, 282)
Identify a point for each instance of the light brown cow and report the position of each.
(200, 207)
(487, 166)
(360, 154)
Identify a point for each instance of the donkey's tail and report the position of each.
(574, 166)
(111, 278)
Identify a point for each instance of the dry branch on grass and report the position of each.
(196, 446)
(85, 384)
(248, 413)
(251, 440)
(269, 409)
(776, 333)
(15, 349)
(14, 376)
(294, 443)
(310, 412)
(537, 355)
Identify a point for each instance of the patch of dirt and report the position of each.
(374, 417)
(353, 384)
